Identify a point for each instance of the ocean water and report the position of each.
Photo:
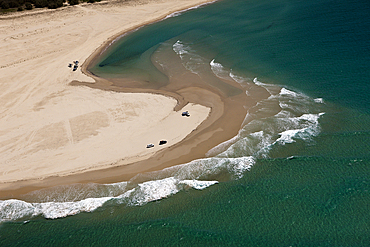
(298, 172)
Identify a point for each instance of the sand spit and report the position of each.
(49, 127)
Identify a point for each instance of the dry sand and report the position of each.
(48, 127)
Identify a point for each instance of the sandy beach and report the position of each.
(59, 126)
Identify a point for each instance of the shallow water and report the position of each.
(296, 174)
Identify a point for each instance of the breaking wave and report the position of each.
(143, 193)
(219, 70)
(181, 177)
(282, 118)
(237, 78)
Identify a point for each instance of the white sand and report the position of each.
(48, 127)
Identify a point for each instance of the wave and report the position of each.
(143, 193)
(176, 179)
(271, 88)
(77, 192)
(259, 136)
(219, 70)
(282, 118)
(237, 78)
(307, 126)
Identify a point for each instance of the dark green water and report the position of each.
(298, 173)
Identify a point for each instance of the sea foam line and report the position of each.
(13, 209)
(180, 177)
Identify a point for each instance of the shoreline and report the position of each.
(194, 146)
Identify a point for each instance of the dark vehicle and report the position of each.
(185, 114)
(162, 142)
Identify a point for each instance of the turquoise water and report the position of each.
(298, 173)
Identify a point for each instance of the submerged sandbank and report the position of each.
(56, 132)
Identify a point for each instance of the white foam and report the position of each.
(265, 128)
(180, 48)
(285, 91)
(255, 81)
(256, 144)
(143, 193)
(269, 87)
(53, 210)
(238, 79)
(287, 136)
(309, 128)
(313, 118)
(240, 165)
(15, 209)
(280, 129)
(219, 70)
(298, 102)
(154, 190)
(199, 185)
(284, 113)
(215, 165)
